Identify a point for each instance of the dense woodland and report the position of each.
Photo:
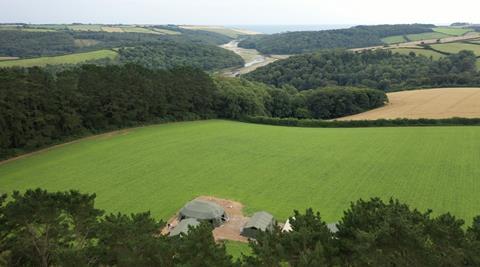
(34, 44)
(38, 228)
(38, 108)
(304, 42)
(381, 69)
(169, 54)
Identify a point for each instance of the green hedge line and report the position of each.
(362, 123)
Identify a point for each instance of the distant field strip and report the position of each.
(426, 36)
(271, 168)
(452, 30)
(428, 103)
(457, 47)
(233, 33)
(8, 58)
(56, 60)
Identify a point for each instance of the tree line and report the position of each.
(315, 123)
(39, 108)
(39, 228)
(310, 41)
(380, 69)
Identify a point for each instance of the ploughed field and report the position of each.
(278, 169)
(428, 103)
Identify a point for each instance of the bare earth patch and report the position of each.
(438, 103)
(227, 231)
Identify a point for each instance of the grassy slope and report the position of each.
(55, 60)
(457, 47)
(277, 169)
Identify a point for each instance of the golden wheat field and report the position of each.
(428, 103)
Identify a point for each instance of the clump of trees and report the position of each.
(39, 228)
(381, 69)
(169, 54)
(310, 41)
(238, 98)
(372, 233)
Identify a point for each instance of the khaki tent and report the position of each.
(260, 221)
(203, 211)
(183, 226)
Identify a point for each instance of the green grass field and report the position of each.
(394, 39)
(457, 47)
(419, 51)
(56, 60)
(452, 30)
(278, 169)
(426, 36)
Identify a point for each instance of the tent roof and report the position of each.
(182, 226)
(332, 227)
(202, 210)
(260, 220)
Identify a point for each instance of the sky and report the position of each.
(240, 12)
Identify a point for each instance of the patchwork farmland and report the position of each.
(159, 168)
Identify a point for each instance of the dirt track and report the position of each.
(428, 103)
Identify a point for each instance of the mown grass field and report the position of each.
(56, 60)
(278, 169)
(457, 47)
(419, 51)
(452, 30)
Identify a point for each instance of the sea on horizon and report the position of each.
(271, 29)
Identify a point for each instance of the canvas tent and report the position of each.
(260, 221)
(332, 227)
(203, 211)
(183, 226)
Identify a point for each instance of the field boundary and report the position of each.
(314, 123)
